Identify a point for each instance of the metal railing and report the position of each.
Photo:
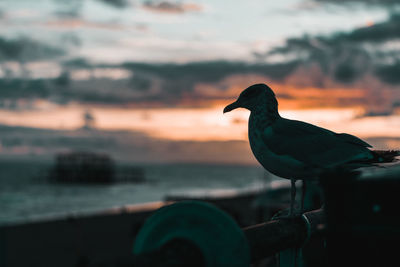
(263, 239)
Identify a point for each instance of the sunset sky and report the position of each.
(155, 75)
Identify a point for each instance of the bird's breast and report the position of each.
(256, 131)
(261, 152)
(281, 165)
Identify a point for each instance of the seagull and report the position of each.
(298, 150)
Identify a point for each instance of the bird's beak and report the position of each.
(232, 106)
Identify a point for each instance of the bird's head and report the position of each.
(254, 96)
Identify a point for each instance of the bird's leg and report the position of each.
(303, 194)
(292, 196)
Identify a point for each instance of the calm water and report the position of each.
(26, 195)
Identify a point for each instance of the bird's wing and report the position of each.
(353, 139)
(313, 145)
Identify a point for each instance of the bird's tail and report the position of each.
(384, 156)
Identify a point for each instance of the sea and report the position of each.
(27, 195)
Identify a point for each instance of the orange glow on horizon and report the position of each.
(201, 119)
(199, 124)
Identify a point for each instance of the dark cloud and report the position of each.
(375, 33)
(378, 113)
(171, 7)
(348, 56)
(116, 3)
(210, 71)
(160, 84)
(367, 2)
(73, 8)
(20, 88)
(141, 83)
(389, 73)
(366, 58)
(71, 39)
(63, 89)
(77, 62)
(68, 9)
(63, 79)
(345, 72)
(25, 49)
(178, 80)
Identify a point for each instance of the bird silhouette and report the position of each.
(298, 150)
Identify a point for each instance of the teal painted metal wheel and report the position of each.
(215, 233)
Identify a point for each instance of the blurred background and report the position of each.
(138, 88)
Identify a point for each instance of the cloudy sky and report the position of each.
(163, 70)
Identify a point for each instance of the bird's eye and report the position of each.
(249, 93)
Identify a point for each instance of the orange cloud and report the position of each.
(73, 23)
(289, 96)
(171, 7)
